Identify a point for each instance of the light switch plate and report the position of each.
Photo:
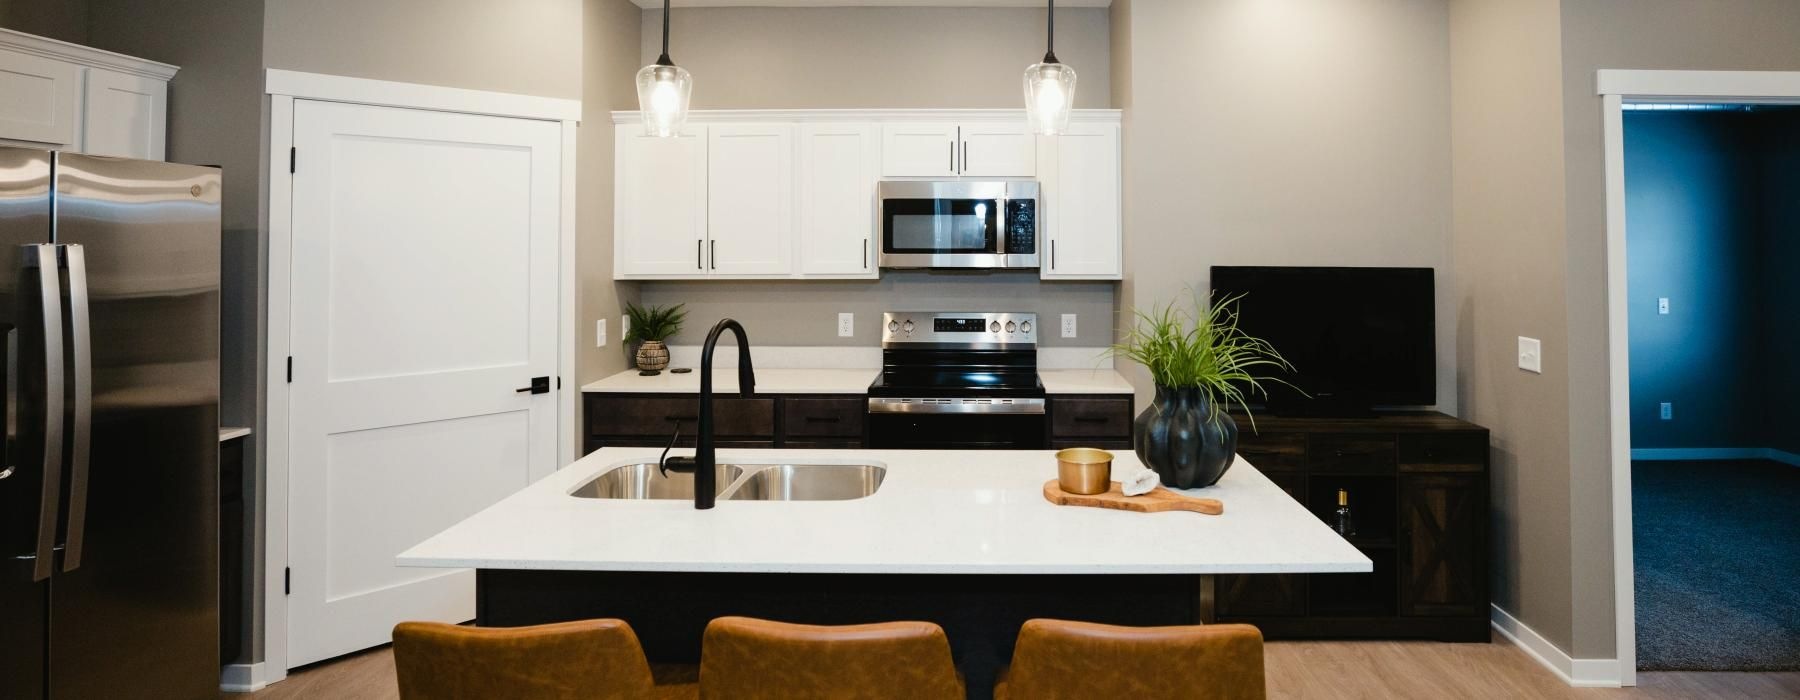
(846, 325)
(1666, 411)
(1531, 354)
(1662, 305)
(1068, 325)
(600, 333)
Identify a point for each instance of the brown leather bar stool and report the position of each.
(748, 659)
(584, 659)
(1062, 659)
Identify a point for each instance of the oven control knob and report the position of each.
(1025, 327)
(893, 326)
(908, 327)
(995, 328)
(1010, 326)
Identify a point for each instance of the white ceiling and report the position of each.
(870, 3)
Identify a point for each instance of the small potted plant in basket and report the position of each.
(649, 328)
(1202, 365)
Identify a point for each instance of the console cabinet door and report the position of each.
(750, 199)
(839, 165)
(125, 115)
(40, 100)
(919, 149)
(660, 218)
(1081, 208)
(1442, 535)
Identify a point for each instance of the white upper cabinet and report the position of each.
(839, 165)
(125, 115)
(1081, 190)
(920, 149)
(1003, 149)
(660, 203)
(63, 96)
(750, 199)
(948, 150)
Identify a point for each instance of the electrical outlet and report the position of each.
(846, 325)
(1068, 325)
(600, 333)
(624, 327)
(1531, 355)
(1662, 305)
(1667, 411)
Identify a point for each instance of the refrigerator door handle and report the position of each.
(42, 257)
(81, 356)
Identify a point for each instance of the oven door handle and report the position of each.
(967, 406)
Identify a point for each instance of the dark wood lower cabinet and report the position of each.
(1418, 490)
(775, 420)
(1099, 420)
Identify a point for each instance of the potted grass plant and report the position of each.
(1203, 365)
(649, 328)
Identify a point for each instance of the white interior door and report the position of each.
(750, 199)
(424, 293)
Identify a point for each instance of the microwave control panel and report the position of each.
(1021, 226)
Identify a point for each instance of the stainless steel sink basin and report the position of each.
(644, 481)
(810, 482)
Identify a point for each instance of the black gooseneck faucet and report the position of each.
(704, 462)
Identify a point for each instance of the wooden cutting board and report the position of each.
(1160, 500)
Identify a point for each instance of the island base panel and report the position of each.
(980, 613)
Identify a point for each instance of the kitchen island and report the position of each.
(961, 538)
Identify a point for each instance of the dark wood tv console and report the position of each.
(1418, 492)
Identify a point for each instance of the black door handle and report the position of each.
(539, 385)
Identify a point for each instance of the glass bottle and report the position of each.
(1344, 525)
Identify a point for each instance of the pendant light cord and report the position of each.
(663, 60)
(1050, 48)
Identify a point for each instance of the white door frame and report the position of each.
(283, 87)
(1617, 87)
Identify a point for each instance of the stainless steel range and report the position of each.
(958, 380)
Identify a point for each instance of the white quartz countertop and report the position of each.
(937, 512)
(768, 381)
(1083, 381)
(834, 381)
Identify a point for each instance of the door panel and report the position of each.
(1081, 201)
(839, 166)
(660, 189)
(424, 294)
(1442, 537)
(24, 220)
(43, 99)
(125, 115)
(920, 149)
(998, 150)
(750, 199)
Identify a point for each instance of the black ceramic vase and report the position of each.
(1180, 438)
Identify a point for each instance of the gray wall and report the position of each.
(876, 57)
(64, 20)
(1300, 133)
(888, 57)
(805, 313)
(609, 62)
(1780, 144)
(1694, 222)
(530, 47)
(1507, 236)
(1644, 34)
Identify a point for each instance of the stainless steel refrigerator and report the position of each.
(109, 300)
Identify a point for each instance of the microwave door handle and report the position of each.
(81, 356)
(42, 257)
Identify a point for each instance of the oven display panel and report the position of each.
(959, 325)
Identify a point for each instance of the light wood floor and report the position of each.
(1425, 670)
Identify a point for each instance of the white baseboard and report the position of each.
(1579, 673)
(1719, 454)
(243, 678)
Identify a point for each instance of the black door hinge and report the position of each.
(290, 369)
(287, 581)
(293, 155)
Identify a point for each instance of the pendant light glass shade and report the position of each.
(1049, 95)
(663, 92)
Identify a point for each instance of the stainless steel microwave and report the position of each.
(959, 224)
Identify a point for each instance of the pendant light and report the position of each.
(663, 89)
(1049, 89)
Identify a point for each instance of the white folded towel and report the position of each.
(1139, 482)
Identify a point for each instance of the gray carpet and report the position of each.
(1718, 565)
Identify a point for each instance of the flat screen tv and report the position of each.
(1359, 338)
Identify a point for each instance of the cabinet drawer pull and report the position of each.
(677, 419)
(1090, 419)
(821, 419)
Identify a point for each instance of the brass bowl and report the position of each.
(1084, 470)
